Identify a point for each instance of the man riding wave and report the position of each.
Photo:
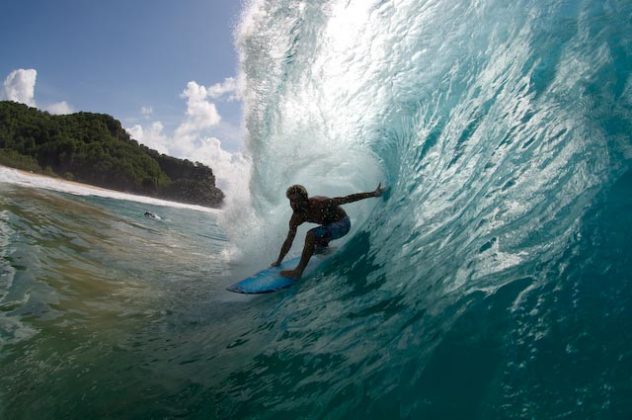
(334, 222)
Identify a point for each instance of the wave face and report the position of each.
(495, 280)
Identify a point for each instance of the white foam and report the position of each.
(27, 179)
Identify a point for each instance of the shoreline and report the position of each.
(34, 180)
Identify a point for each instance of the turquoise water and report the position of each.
(492, 282)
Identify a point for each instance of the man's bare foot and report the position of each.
(291, 274)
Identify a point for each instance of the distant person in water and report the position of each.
(334, 222)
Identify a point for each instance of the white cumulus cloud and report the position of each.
(192, 138)
(231, 169)
(201, 114)
(146, 111)
(19, 86)
(59, 108)
(229, 86)
(152, 137)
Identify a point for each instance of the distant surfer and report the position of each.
(334, 222)
(151, 215)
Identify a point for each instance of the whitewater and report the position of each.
(492, 281)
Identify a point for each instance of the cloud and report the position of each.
(59, 108)
(192, 138)
(201, 114)
(220, 89)
(152, 137)
(19, 86)
(136, 132)
(147, 111)
(231, 169)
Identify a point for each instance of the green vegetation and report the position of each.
(95, 149)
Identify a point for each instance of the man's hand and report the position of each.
(379, 190)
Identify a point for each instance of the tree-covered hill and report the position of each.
(95, 149)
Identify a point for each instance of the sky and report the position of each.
(164, 68)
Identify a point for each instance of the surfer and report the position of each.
(151, 215)
(334, 222)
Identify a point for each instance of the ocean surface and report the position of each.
(493, 280)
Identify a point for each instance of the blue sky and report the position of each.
(121, 57)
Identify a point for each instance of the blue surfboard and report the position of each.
(270, 279)
(266, 281)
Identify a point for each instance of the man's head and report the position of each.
(297, 194)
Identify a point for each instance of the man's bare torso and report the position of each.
(321, 210)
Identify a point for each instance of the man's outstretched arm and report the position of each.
(359, 196)
(287, 244)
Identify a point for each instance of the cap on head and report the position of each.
(296, 189)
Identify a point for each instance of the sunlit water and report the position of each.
(493, 281)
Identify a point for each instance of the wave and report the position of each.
(502, 131)
(489, 121)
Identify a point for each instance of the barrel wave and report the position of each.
(494, 279)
